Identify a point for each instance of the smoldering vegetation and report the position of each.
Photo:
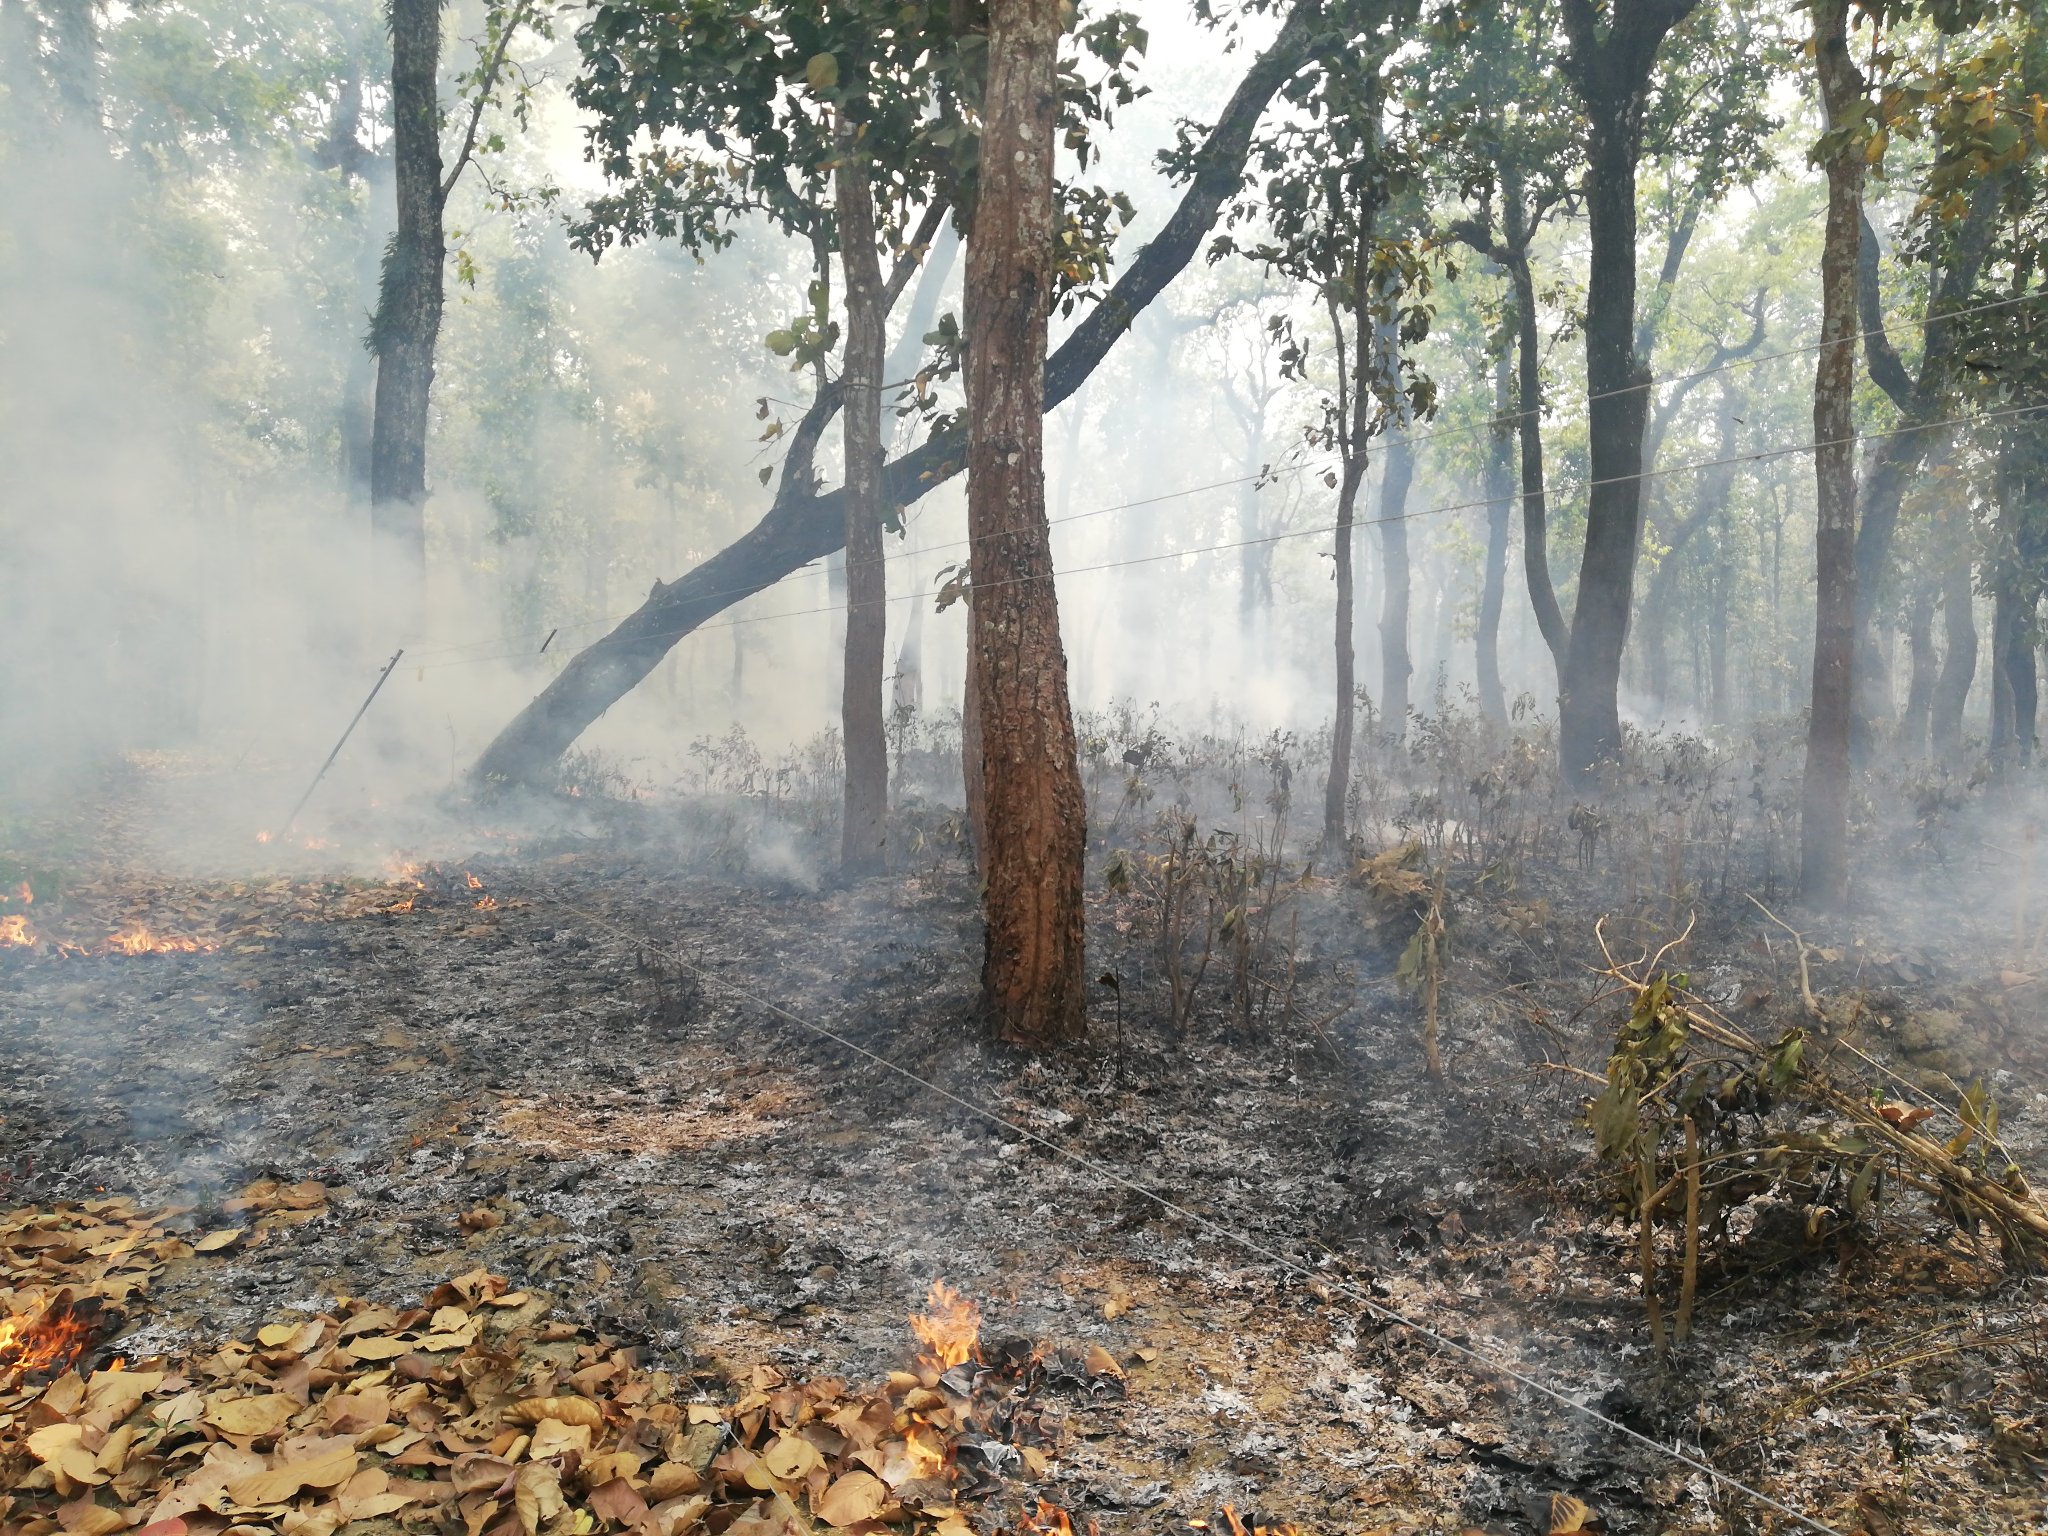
(1475, 1116)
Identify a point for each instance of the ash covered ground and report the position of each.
(530, 1043)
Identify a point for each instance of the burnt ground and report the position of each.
(594, 1084)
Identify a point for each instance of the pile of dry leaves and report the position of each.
(476, 1413)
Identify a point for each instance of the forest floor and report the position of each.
(542, 1050)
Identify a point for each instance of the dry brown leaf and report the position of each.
(619, 1502)
(537, 1495)
(789, 1459)
(672, 1478)
(251, 1416)
(564, 1410)
(214, 1242)
(477, 1472)
(83, 1517)
(551, 1437)
(331, 1466)
(855, 1497)
(379, 1347)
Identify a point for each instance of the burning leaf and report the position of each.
(1569, 1516)
(949, 1329)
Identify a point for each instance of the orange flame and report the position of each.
(262, 837)
(45, 1341)
(15, 932)
(474, 883)
(949, 1328)
(24, 895)
(1050, 1520)
(138, 940)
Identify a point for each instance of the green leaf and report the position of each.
(781, 343)
(822, 72)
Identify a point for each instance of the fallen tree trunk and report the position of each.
(803, 524)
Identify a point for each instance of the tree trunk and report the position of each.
(1824, 810)
(1610, 67)
(1529, 425)
(801, 526)
(1032, 971)
(1959, 658)
(1500, 477)
(1396, 667)
(1899, 455)
(408, 320)
(1920, 686)
(1589, 710)
(863, 841)
(1337, 788)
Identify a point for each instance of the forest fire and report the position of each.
(949, 1329)
(41, 1342)
(15, 933)
(138, 940)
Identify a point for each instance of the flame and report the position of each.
(486, 903)
(24, 895)
(138, 940)
(44, 1341)
(925, 1451)
(1050, 1520)
(15, 932)
(262, 837)
(949, 1329)
(474, 883)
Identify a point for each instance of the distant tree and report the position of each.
(407, 323)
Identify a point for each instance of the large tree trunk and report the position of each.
(864, 820)
(1610, 67)
(1500, 477)
(801, 526)
(408, 320)
(1959, 654)
(1032, 973)
(1824, 809)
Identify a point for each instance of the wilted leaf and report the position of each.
(332, 1465)
(214, 1242)
(1569, 1516)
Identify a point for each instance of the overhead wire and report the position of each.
(1267, 473)
(1755, 457)
(1370, 1304)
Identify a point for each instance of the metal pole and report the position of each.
(389, 666)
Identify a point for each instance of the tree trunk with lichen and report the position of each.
(1032, 967)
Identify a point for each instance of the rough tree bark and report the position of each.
(1032, 973)
(1609, 63)
(863, 841)
(1500, 476)
(408, 319)
(1824, 807)
(801, 525)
